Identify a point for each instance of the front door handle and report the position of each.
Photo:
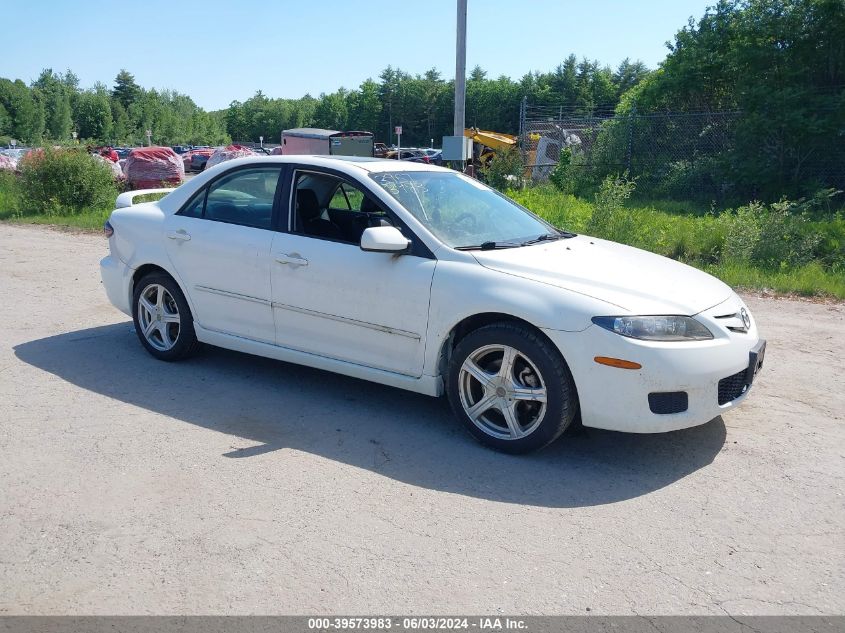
(294, 259)
(180, 235)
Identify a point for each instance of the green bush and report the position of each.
(777, 236)
(505, 170)
(562, 174)
(610, 219)
(9, 193)
(65, 181)
(830, 249)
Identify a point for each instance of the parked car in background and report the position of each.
(435, 156)
(380, 150)
(199, 157)
(422, 278)
(411, 155)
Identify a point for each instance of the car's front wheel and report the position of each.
(163, 319)
(511, 388)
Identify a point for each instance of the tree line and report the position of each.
(423, 104)
(776, 68)
(54, 106)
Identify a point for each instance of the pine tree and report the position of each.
(125, 89)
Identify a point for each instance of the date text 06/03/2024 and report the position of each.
(421, 623)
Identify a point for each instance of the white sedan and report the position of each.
(422, 278)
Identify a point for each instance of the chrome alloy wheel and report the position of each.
(158, 316)
(502, 392)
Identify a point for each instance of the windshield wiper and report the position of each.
(487, 246)
(548, 237)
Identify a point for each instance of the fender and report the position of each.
(542, 305)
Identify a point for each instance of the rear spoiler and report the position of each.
(125, 199)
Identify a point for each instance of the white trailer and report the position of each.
(309, 140)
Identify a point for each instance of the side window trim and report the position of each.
(203, 192)
(281, 212)
(345, 197)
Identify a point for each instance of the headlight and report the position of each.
(655, 328)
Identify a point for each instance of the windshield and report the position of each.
(462, 212)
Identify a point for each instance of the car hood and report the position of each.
(634, 280)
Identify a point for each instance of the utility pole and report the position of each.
(461, 69)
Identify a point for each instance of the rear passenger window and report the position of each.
(244, 197)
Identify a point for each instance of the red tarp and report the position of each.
(116, 170)
(7, 162)
(149, 167)
(228, 153)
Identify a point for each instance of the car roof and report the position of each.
(365, 163)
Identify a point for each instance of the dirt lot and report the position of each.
(233, 484)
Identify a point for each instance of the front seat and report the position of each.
(311, 216)
(368, 206)
(375, 215)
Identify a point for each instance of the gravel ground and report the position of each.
(234, 484)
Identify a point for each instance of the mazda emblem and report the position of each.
(746, 318)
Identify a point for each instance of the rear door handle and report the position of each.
(294, 259)
(180, 235)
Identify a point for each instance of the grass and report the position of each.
(11, 210)
(695, 237)
(811, 280)
(87, 220)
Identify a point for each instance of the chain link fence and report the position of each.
(682, 155)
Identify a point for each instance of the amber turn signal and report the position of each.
(617, 362)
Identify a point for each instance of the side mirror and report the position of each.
(384, 239)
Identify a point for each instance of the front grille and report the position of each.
(668, 402)
(732, 387)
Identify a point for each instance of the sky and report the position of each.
(217, 51)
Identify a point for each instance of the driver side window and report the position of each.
(332, 208)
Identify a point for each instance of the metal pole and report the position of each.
(461, 69)
(631, 114)
(523, 144)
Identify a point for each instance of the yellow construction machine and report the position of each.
(486, 144)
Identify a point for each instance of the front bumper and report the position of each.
(617, 399)
(117, 280)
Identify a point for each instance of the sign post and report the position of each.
(398, 131)
(13, 143)
(261, 140)
(149, 137)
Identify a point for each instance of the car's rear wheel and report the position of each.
(163, 320)
(511, 388)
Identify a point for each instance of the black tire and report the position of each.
(561, 404)
(186, 343)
